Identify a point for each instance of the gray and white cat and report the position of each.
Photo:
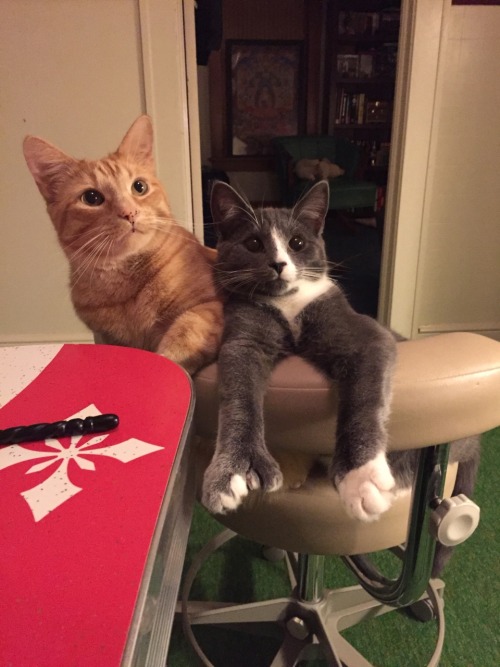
(280, 301)
(272, 265)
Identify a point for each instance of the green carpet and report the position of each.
(238, 573)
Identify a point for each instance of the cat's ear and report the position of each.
(48, 165)
(226, 206)
(312, 207)
(137, 144)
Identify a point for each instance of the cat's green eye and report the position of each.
(253, 244)
(296, 243)
(92, 198)
(140, 187)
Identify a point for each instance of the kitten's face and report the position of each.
(269, 251)
(105, 209)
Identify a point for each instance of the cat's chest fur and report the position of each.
(301, 295)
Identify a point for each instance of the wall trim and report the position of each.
(174, 119)
(45, 339)
(479, 327)
(419, 49)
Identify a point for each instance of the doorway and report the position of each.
(355, 101)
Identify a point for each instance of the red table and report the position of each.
(93, 528)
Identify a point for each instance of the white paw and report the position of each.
(230, 499)
(368, 491)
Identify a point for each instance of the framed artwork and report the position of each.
(265, 100)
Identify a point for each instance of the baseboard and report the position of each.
(44, 339)
(490, 329)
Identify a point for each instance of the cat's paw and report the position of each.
(223, 495)
(225, 485)
(368, 491)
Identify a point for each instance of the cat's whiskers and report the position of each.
(88, 258)
(79, 235)
(149, 218)
(107, 244)
(91, 259)
(235, 279)
(111, 243)
(173, 230)
(261, 211)
(83, 249)
(313, 273)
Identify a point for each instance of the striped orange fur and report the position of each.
(137, 277)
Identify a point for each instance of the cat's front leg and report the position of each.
(230, 477)
(359, 469)
(242, 462)
(362, 362)
(193, 339)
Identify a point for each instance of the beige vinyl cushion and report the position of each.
(312, 520)
(445, 387)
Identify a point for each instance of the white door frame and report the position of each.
(174, 116)
(418, 59)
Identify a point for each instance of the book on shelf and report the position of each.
(350, 108)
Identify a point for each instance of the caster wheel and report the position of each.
(423, 611)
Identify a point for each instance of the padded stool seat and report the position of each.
(301, 405)
(300, 410)
(445, 388)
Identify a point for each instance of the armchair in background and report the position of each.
(346, 191)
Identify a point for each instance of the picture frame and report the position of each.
(265, 95)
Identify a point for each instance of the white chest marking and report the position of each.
(291, 305)
(304, 291)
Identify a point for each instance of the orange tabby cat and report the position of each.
(137, 277)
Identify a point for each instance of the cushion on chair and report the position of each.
(312, 520)
(445, 387)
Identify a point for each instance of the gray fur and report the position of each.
(347, 347)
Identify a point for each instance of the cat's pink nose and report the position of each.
(128, 216)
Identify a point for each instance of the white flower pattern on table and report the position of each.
(58, 488)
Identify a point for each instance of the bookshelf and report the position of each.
(360, 72)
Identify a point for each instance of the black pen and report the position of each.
(33, 432)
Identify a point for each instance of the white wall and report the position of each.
(442, 252)
(458, 284)
(78, 73)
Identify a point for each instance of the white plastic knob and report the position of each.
(454, 520)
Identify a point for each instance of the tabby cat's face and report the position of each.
(105, 209)
(269, 251)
